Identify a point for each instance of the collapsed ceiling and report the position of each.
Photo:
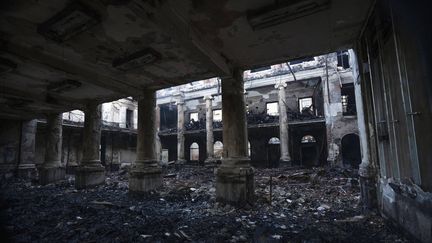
(56, 55)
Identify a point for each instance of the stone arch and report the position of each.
(309, 150)
(350, 150)
(273, 152)
(218, 149)
(194, 152)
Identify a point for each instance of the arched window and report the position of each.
(308, 139)
(274, 140)
(218, 149)
(194, 152)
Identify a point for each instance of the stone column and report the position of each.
(145, 173)
(52, 169)
(91, 172)
(180, 130)
(26, 167)
(367, 170)
(283, 124)
(235, 176)
(209, 131)
(157, 128)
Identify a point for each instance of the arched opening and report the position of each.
(218, 149)
(351, 155)
(273, 152)
(309, 151)
(194, 152)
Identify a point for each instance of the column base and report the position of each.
(89, 176)
(235, 185)
(51, 174)
(285, 161)
(180, 161)
(210, 162)
(27, 171)
(145, 179)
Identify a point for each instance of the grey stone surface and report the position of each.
(145, 173)
(91, 172)
(235, 185)
(89, 176)
(283, 123)
(52, 170)
(209, 130)
(49, 175)
(26, 167)
(234, 177)
(180, 129)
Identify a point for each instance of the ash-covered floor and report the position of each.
(307, 205)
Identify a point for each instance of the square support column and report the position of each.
(52, 170)
(235, 176)
(27, 167)
(91, 172)
(146, 174)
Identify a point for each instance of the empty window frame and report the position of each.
(217, 115)
(129, 118)
(343, 59)
(193, 117)
(348, 100)
(272, 109)
(306, 104)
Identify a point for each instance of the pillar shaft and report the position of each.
(145, 173)
(367, 170)
(234, 177)
(91, 172)
(234, 119)
(209, 129)
(157, 128)
(180, 131)
(54, 135)
(26, 167)
(283, 124)
(146, 136)
(91, 135)
(52, 169)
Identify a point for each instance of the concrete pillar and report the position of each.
(235, 176)
(157, 128)
(367, 170)
(91, 172)
(26, 167)
(210, 160)
(283, 124)
(52, 169)
(180, 129)
(145, 173)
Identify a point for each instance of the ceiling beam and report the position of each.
(171, 23)
(89, 72)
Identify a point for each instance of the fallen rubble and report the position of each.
(304, 205)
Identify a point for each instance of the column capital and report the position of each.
(179, 97)
(281, 84)
(208, 97)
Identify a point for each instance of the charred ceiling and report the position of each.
(117, 48)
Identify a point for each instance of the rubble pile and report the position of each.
(303, 205)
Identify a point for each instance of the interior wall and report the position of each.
(395, 55)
